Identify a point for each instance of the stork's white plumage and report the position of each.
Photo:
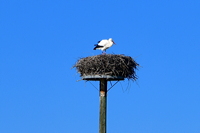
(104, 44)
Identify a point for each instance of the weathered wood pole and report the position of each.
(103, 104)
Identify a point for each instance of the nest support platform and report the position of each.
(100, 77)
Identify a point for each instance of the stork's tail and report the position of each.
(95, 47)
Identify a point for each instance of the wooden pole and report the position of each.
(103, 101)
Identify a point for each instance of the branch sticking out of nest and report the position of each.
(108, 64)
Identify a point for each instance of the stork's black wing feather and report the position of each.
(97, 46)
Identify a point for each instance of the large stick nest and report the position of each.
(108, 64)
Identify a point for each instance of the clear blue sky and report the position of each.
(40, 41)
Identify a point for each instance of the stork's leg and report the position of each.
(103, 52)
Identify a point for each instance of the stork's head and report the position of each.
(110, 39)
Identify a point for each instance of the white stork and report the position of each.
(104, 44)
